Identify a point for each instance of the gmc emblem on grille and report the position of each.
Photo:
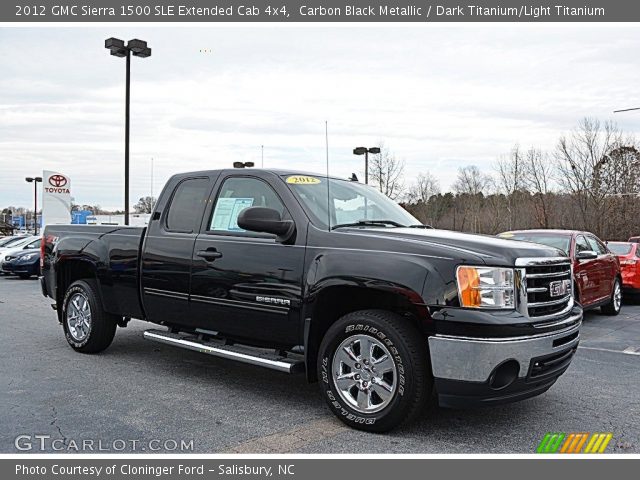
(559, 288)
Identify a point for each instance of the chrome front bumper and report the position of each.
(474, 359)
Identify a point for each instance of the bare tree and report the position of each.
(537, 175)
(386, 172)
(469, 186)
(470, 181)
(425, 186)
(510, 180)
(581, 160)
(145, 205)
(422, 194)
(622, 173)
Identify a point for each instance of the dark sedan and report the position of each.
(24, 264)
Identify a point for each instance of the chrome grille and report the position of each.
(537, 279)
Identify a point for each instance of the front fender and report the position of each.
(404, 275)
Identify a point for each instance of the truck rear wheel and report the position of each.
(87, 327)
(374, 370)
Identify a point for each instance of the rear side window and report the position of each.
(187, 205)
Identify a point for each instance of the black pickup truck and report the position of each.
(304, 273)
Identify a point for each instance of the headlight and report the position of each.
(8, 257)
(28, 256)
(485, 287)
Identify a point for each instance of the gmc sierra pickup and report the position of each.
(300, 272)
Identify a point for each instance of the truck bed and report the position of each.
(114, 252)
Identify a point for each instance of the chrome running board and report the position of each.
(253, 356)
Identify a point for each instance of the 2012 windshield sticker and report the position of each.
(303, 180)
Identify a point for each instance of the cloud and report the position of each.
(440, 97)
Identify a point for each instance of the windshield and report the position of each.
(561, 242)
(348, 203)
(14, 242)
(620, 248)
(11, 241)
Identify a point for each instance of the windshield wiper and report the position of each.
(420, 225)
(368, 223)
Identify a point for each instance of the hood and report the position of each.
(488, 249)
(22, 253)
(11, 251)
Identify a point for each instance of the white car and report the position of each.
(29, 243)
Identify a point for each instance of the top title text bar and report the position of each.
(318, 11)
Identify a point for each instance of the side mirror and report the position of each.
(266, 220)
(586, 255)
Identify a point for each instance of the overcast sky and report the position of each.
(440, 97)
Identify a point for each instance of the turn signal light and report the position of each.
(486, 287)
(469, 286)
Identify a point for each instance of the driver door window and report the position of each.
(236, 194)
(32, 245)
(596, 246)
(581, 244)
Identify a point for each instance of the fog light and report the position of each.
(504, 374)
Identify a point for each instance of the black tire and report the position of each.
(408, 349)
(102, 325)
(615, 303)
(24, 276)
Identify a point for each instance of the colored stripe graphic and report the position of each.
(598, 443)
(571, 440)
(554, 442)
(543, 443)
(591, 443)
(550, 443)
(579, 445)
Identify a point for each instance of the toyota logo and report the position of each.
(57, 181)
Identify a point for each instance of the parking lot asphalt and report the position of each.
(145, 397)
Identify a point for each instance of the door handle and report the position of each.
(210, 254)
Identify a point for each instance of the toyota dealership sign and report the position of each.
(56, 198)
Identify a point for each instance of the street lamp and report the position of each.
(243, 164)
(118, 49)
(366, 151)
(35, 181)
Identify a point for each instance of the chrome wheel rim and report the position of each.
(617, 296)
(78, 317)
(364, 373)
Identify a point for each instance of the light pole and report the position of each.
(118, 49)
(35, 181)
(366, 151)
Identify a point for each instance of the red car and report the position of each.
(629, 257)
(596, 271)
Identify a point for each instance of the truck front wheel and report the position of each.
(374, 370)
(87, 327)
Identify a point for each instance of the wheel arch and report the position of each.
(332, 302)
(68, 272)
